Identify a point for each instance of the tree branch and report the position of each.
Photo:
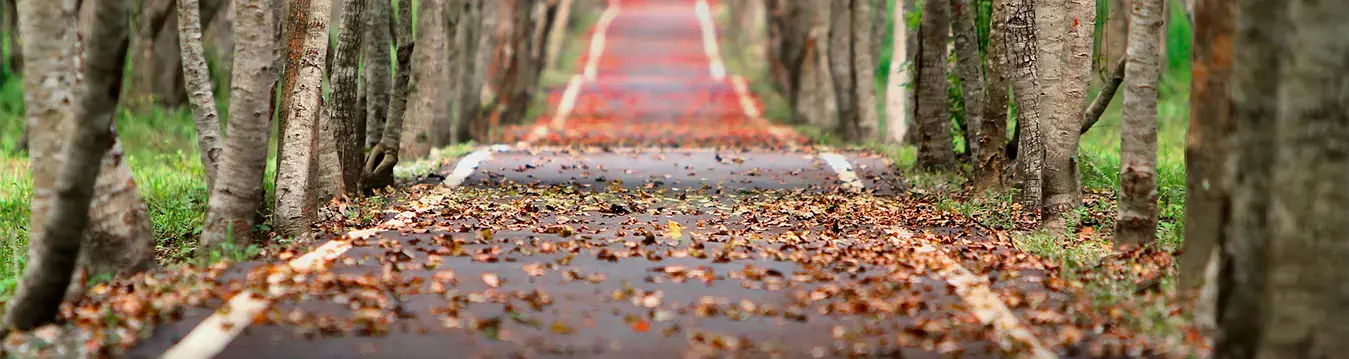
(1098, 106)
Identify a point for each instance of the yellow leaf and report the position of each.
(675, 230)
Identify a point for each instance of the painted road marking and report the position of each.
(597, 40)
(212, 335)
(843, 169)
(704, 13)
(986, 306)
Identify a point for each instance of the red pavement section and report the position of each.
(653, 86)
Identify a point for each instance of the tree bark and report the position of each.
(1243, 276)
(152, 17)
(1306, 295)
(1020, 38)
(430, 80)
(898, 92)
(519, 77)
(303, 92)
(378, 39)
(472, 66)
(1137, 221)
(1206, 151)
(1068, 71)
(443, 127)
(238, 190)
(383, 157)
(201, 94)
(350, 125)
(864, 71)
(841, 66)
(476, 119)
(969, 65)
(559, 33)
(990, 155)
(55, 249)
(935, 150)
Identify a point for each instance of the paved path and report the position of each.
(692, 228)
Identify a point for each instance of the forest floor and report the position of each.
(652, 212)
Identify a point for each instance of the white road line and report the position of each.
(986, 306)
(704, 13)
(746, 102)
(597, 40)
(843, 169)
(213, 334)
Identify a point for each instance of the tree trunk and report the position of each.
(1064, 98)
(442, 127)
(303, 92)
(969, 67)
(841, 66)
(1243, 278)
(470, 84)
(350, 125)
(378, 38)
(383, 157)
(58, 229)
(1306, 294)
(990, 155)
(201, 94)
(238, 190)
(13, 63)
(935, 150)
(1020, 38)
(152, 17)
(1137, 221)
(430, 80)
(898, 92)
(1206, 149)
(519, 77)
(864, 71)
(559, 33)
(474, 114)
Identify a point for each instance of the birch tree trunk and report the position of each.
(377, 74)
(303, 89)
(1243, 278)
(935, 150)
(201, 94)
(349, 123)
(1020, 38)
(238, 190)
(60, 226)
(1137, 221)
(1206, 151)
(864, 71)
(897, 95)
(1306, 294)
(430, 78)
(1065, 100)
(990, 155)
(969, 65)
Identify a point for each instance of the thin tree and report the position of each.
(1206, 148)
(969, 68)
(935, 150)
(350, 125)
(238, 190)
(841, 66)
(303, 92)
(376, 89)
(990, 158)
(1020, 39)
(562, 24)
(1137, 220)
(897, 88)
(56, 246)
(201, 95)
